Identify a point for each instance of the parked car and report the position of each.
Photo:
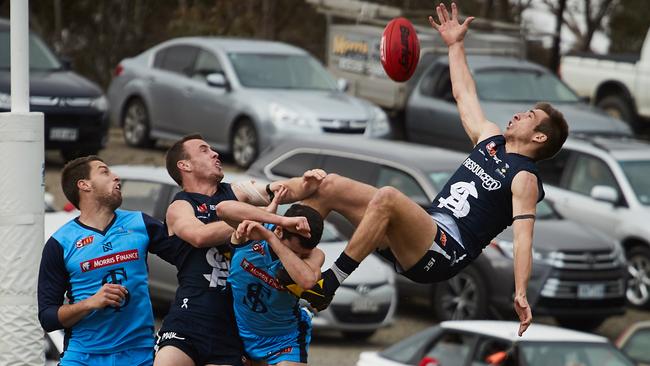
(365, 303)
(635, 343)
(578, 274)
(618, 84)
(75, 109)
(505, 86)
(604, 183)
(239, 94)
(477, 343)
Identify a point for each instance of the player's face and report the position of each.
(522, 125)
(293, 242)
(105, 184)
(205, 161)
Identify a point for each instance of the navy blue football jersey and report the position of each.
(478, 196)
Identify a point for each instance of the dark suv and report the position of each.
(578, 277)
(76, 121)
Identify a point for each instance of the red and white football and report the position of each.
(399, 49)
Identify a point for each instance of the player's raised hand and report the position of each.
(250, 230)
(108, 295)
(280, 193)
(523, 311)
(449, 28)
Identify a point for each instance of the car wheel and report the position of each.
(71, 154)
(135, 124)
(638, 285)
(618, 107)
(245, 144)
(583, 324)
(462, 297)
(358, 335)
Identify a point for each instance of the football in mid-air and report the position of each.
(399, 49)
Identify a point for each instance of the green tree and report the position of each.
(628, 26)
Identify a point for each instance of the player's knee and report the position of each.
(329, 184)
(385, 198)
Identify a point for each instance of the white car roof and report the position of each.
(535, 333)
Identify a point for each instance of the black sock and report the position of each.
(340, 270)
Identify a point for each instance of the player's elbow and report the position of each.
(49, 319)
(307, 280)
(223, 208)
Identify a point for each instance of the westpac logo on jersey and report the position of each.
(489, 183)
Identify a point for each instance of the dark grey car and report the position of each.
(578, 275)
(505, 86)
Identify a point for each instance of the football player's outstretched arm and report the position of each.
(453, 33)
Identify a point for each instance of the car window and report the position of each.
(521, 85)
(295, 165)
(551, 170)
(40, 56)
(442, 86)
(206, 63)
(589, 172)
(401, 180)
(427, 85)
(636, 172)
(637, 346)
(451, 349)
(141, 196)
(410, 347)
(361, 170)
(490, 351)
(571, 354)
(178, 59)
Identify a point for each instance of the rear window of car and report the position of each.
(295, 165)
(179, 59)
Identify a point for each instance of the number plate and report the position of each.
(64, 134)
(591, 291)
(364, 305)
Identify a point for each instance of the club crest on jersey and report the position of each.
(491, 148)
(202, 208)
(258, 248)
(85, 241)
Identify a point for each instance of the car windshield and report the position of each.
(545, 211)
(636, 172)
(516, 85)
(439, 179)
(572, 353)
(274, 71)
(40, 57)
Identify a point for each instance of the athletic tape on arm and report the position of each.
(253, 194)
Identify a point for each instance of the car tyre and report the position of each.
(136, 124)
(618, 107)
(582, 324)
(358, 335)
(462, 297)
(245, 143)
(638, 285)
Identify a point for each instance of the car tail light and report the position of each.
(429, 361)
(118, 70)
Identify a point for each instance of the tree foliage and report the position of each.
(628, 26)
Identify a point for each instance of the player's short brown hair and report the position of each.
(74, 171)
(315, 221)
(177, 153)
(556, 130)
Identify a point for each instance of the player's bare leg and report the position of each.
(172, 356)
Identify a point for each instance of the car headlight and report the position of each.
(378, 124)
(506, 248)
(5, 101)
(101, 104)
(282, 116)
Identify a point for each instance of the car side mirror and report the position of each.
(604, 193)
(217, 80)
(342, 84)
(66, 63)
(429, 361)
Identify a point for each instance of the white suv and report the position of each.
(605, 183)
